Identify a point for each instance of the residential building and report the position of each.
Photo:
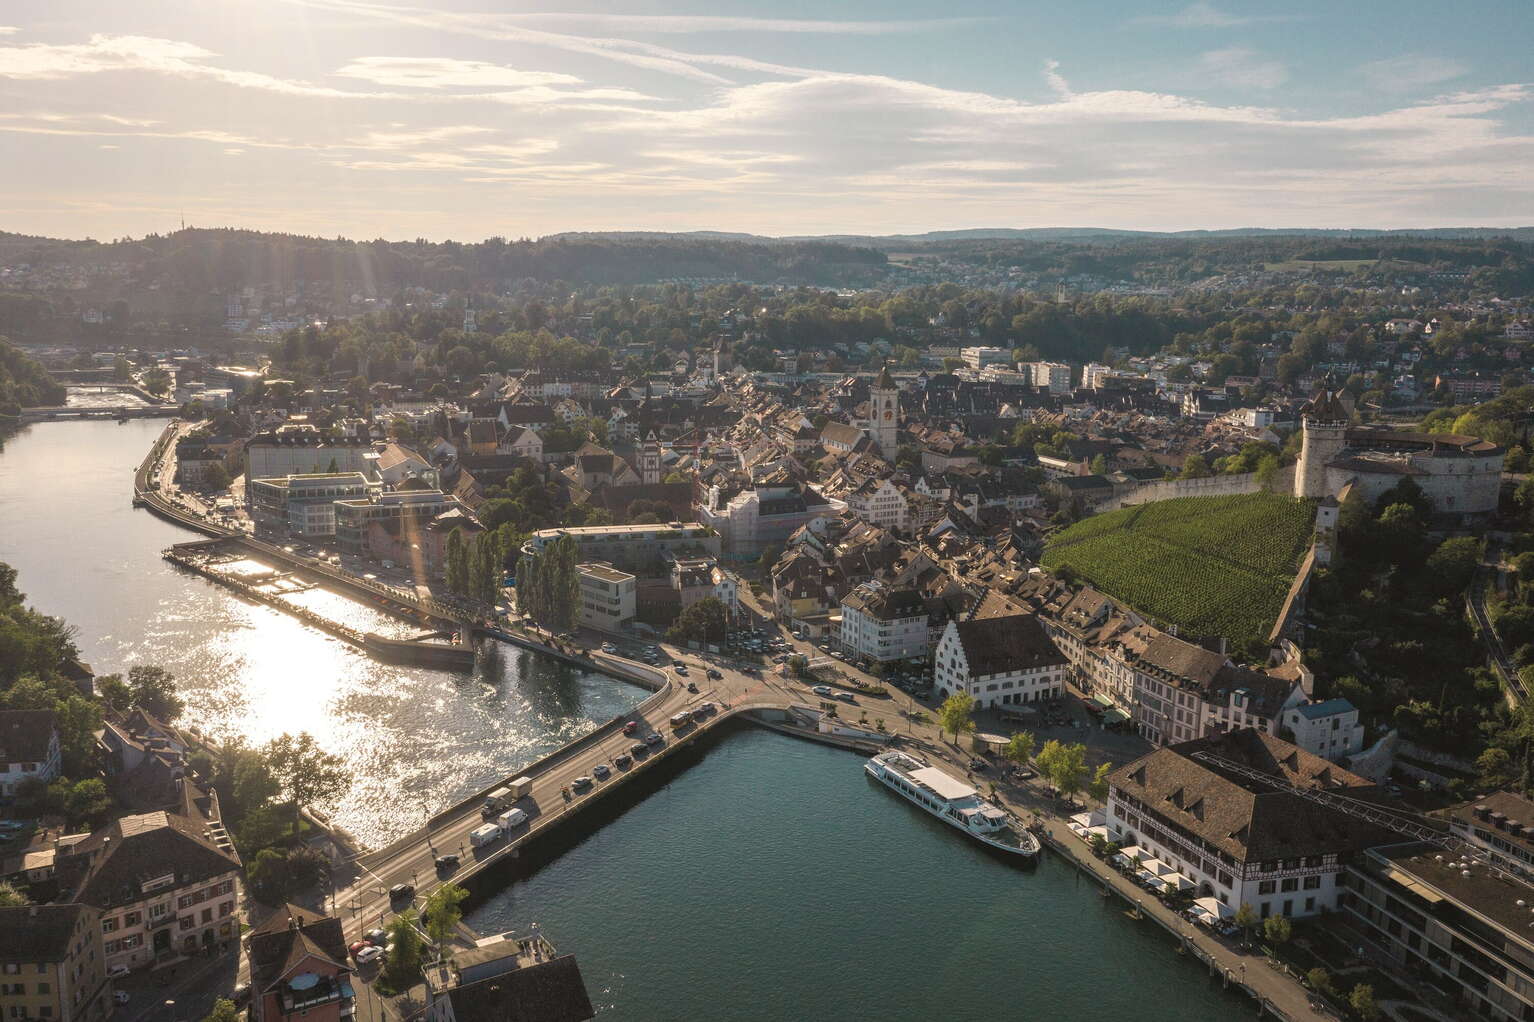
(52, 965)
(692, 579)
(164, 883)
(766, 516)
(607, 596)
(879, 502)
(298, 968)
(507, 978)
(980, 357)
(1449, 921)
(526, 444)
(883, 623)
(999, 661)
(1054, 377)
(29, 749)
(302, 505)
(1328, 729)
(641, 549)
(1242, 841)
(395, 465)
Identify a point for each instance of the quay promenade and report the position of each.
(360, 886)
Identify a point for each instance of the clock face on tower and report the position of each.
(888, 415)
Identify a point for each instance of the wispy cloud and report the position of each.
(1411, 71)
(1205, 15)
(441, 72)
(8, 30)
(1057, 83)
(692, 23)
(1243, 68)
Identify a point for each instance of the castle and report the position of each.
(1461, 475)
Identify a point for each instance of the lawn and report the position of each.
(1209, 565)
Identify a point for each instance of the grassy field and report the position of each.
(1209, 565)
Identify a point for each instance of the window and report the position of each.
(1312, 883)
(207, 915)
(133, 918)
(108, 925)
(1266, 887)
(44, 988)
(1290, 884)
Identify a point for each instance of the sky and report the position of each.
(468, 119)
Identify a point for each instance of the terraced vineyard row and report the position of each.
(1210, 565)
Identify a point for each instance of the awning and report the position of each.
(1115, 716)
(1102, 700)
(1213, 907)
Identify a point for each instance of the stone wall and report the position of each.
(1210, 486)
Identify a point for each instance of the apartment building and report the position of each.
(882, 623)
(1328, 729)
(51, 964)
(879, 502)
(298, 967)
(409, 510)
(638, 548)
(1502, 825)
(165, 885)
(299, 451)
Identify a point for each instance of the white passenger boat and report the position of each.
(953, 801)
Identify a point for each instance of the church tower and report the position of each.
(1323, 435)
(470, 323)
(649, 460)
(884, 417)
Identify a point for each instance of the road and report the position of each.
(1475, 599)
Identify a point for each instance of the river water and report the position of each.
(415, 738)
(767, 880)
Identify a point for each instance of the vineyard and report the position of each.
(1209, 565)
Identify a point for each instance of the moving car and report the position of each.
(823, 690)
(845, 697)
(623, 760)
(447, 862)
(581, 783)
(378, 938)
(630, 727)
(117, 971)
(481, 836)
(715, 675)
(601, 770)
(399, 892)
(639, 748)
(653, 739)
(680, 719)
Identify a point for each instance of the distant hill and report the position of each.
(883, 241)
(1209, 565)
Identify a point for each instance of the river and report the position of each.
(767, 880)
(414, 738)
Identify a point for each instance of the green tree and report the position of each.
(1194, 466)
(1098, 787)
(1277, 929)
(703, 621)
(305, 773)
(402, 968)
(957, 713)
(1064, 765)
(11, 897)
(114, 692)
(261, 827)
(1361, 1000)
(268, 876)
(223, 1011)
(153, 690)
(442, 914)
(455, 563)
(156, 380)
(1320, 980)
(1020, 748)
(1246, 919)
(87, 803)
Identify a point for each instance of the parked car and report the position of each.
(117, 971)
(845, 697)
(369, 954)
(977, 764)
(715, 674)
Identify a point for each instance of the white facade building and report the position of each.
(884, 624)
(607, 596)
(29, 749)
(1000, 661)
(1328, 729)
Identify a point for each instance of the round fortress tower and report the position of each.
(1323, 435)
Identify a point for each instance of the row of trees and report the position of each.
(1063, 765)
(548, 585)
(474, 567)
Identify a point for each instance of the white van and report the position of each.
(481, 836)
(511, 818)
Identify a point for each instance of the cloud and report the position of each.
(1056, 80)
(1409, 72)
(438, 72)
(107, 53)
(689, 23)
(8, 30)
(1204, 15)
(1242, 68)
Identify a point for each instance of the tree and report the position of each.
(1495, 767)
(216, 477)
(156, 380)
(86, 803)
(402, 968)
(956, 713)
(1361, 1000)
(1064, 765)
(1246, 918)
(114, 692)
(1195, 467)
(262, 827)
(223, 1011)
(1320, 980)
(703, 621)
(307, 867)
(268, 876)
(10, 897)
(305, 773)
(1020, 747)
(153, 690)
(442, 914)
(1277, 929)
(1098, 787)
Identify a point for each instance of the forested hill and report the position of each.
(24, 382)
(201, 260)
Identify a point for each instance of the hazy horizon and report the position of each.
(367, 119)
